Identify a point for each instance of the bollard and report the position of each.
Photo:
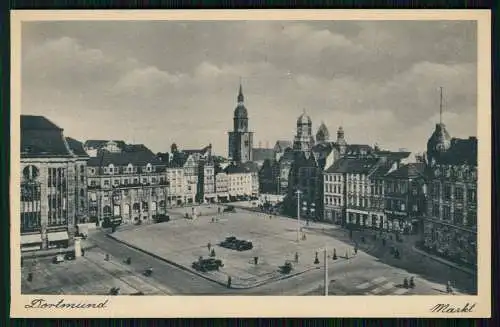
(316, 260)
(334, 254)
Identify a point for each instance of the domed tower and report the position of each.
(303, 139)
(440, 140)
(240, 139)
(322, 135)
(342, 144)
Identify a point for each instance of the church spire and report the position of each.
(441, 105)
(241, 98)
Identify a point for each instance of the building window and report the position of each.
(447, 192)
(459, 194)
(82, 169)
(107, 211)
(116, 182)
(82, 192)
(471, 196)
(435, 211)
(458, 216)
(472, 218)
(144, 181)
(82, 178)
(106, 183)
(446, 213)
(93, 183)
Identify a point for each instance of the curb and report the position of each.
(182, 267)
(444, 261)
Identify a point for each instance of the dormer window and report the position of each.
(149, 168)
(130, 168)
(111, 168)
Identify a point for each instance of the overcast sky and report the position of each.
(162, 82)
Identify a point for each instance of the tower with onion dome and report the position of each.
(240, 138)
(303, 140)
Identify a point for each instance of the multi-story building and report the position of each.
(126, 186)
(334, 192)
(206, 181)
(81, 200)
(450, 224)
(240, 139)
(404, 196)
(175, 184)
(222, 186)
(190, 173)
(253, 168)
(239, 182)
(50, 186)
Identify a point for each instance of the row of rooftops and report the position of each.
(42, 138)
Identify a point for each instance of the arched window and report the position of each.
(136, 207)
(107, 211)
(149, 168)
(130, 168)
(126, 209)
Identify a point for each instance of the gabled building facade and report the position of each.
(50, 185)
(127, 186)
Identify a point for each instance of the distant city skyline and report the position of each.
(158, 83)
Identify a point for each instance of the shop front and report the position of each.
(59, 239)
(31, 242)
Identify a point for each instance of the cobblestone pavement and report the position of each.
(274, 239)
(90, 274)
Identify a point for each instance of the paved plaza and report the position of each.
(88, 275)
(183, 241)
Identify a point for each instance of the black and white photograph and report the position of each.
(294, 158)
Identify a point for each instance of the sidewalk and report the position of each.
(444, 261)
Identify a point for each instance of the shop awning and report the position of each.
(58, 236)
(31, 239)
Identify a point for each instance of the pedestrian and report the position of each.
(316, 260)
(405, 283)
(209, 246)
(255, 260)
(30, 276)
(228, 281)
(334, 254)
(412, 282)
(356, 250)
(83, 252)
(106, 257)
(449, 289)
(296, 257)
(212, 254)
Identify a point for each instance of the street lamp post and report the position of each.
(298, 192)
(325, 259)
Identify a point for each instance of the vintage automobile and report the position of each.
(229, 209)
(70, 255)
(161, 218)
(233, 243)
(58, 258)
(209, 264)
(286, 268)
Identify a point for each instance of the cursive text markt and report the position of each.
(448, 308)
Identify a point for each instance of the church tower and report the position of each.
(304, 140)
(341, 142)
(240, 139)
(440, 140)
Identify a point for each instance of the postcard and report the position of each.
(258, 163)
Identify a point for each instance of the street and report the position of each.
(371, 271)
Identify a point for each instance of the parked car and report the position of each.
(229, 209)
(69, 255)
(161, 218)
(234, 244)
(208, 264)
(58, 259)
